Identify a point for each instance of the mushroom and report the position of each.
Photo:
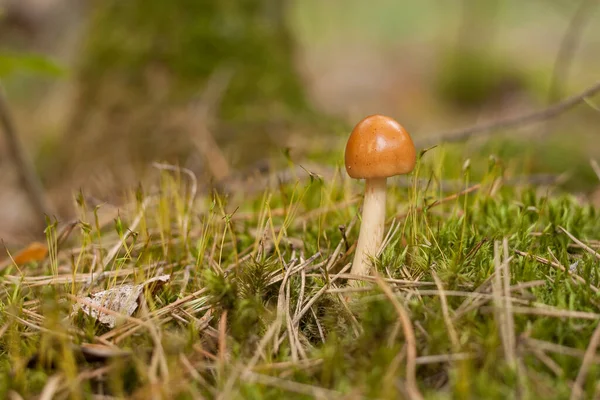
(378, 148)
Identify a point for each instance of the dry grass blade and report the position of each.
(51, 387)
(317, 295)
(444, 200)
(580, 243)
(556, 348)
(282, 305)
(482, 298)
(122, 332)
(192, 196)
(409, 335)
(548, 362)
(397, 282)
(553, 312)
(285, 365)
(576, 278)
(474, 300)
(501, 291)
(443, 358)
(112, 253)
(291, 386)
(588, 360)
(445, 311)
(223, 338)
(319, 327)
(34, 281)
(193, 372)
(41, 328)
(242, 370)
(293, 341)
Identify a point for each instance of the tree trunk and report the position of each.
(142, 63)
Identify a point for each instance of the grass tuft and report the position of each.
(485, 288)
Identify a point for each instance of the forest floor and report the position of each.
(486, 287)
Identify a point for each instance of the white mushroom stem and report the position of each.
(371, 228)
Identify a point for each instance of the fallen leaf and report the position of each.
(123, 299)
(36, 251)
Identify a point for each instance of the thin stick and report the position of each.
(29, 180)
(555, 110)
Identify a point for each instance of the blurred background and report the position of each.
(98, 90)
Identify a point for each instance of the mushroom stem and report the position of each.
(371, 228)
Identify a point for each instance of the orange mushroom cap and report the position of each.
(379, 147)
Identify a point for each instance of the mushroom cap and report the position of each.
(379, 147)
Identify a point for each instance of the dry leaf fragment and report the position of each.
(36, 251)
(123, 299)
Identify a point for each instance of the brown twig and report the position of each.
(555, 110)
(29, 180)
